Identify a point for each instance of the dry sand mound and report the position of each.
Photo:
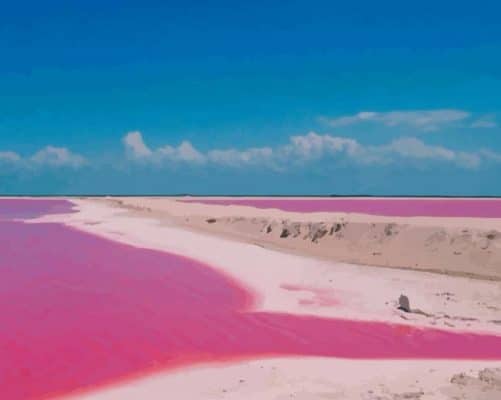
(457, 246)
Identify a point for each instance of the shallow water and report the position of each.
(480, 208)
(32, 208)
(78, 311)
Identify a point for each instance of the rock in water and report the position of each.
(404, 304)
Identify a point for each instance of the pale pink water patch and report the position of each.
(322, 297)
(78, 312)
(479, 208)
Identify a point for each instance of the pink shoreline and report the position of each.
(79, 312)
(474, 208)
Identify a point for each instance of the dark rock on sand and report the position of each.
(318, 231)
(404, 304)
(491, 235)
(335, 228)
(285, 233)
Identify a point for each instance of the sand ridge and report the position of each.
(458, 246)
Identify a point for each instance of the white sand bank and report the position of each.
(456, 246)
(318, 379)
(303, 285)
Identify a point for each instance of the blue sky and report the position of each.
(299, 97)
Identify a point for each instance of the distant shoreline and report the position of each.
(398, 196)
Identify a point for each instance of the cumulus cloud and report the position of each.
(135, 145)
(299, 149)
(415, 148)
(184, 152)
(49, 156)
(412, 148)
(313, 145)
(9, 157)
(57, 157)
(137, 149)
(426, 120)
(302, 149)
(237, 158)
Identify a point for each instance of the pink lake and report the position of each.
(479, 208)
(78, 312)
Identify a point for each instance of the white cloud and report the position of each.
(49, 156)
(490, 155)
(313, 145)
(302, 149)
(426, 120)
(135, 145)
(57, 157)
(137, 149)
(415, 148)
(184, 152)
(487, 121)
(412, 148)
(233, 157)
(9, 157)
(346, 120)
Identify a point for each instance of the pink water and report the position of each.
(31, 208)
(480, 208)
(78, 312)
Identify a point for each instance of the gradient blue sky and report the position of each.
(297, 97)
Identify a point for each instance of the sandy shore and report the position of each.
(312, 286)
(456, 246)
(318, 379)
